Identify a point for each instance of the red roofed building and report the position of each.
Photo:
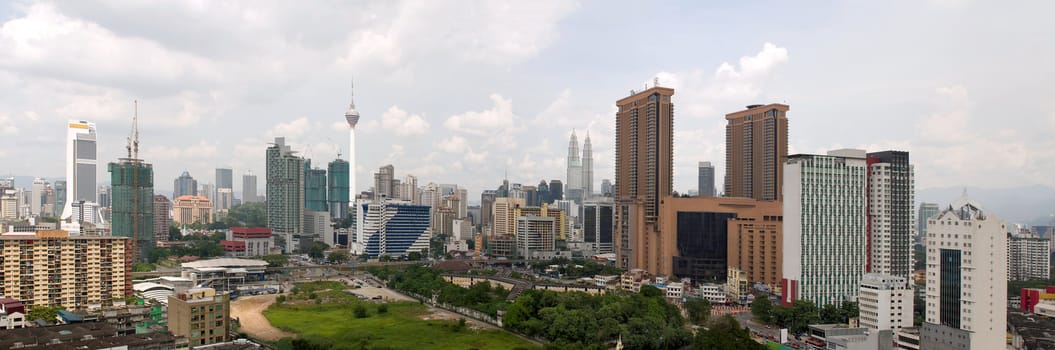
(233, 248)
(256, 241)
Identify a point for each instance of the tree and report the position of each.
(142, 267)
(650, 291)
(41, 312)
(275, 260)
(699, 310)
(337, 257)
(359, 311)
(414, 256)
(175, 234)
(316, 250)
(157, 254)
(762, 309)
(725, 333)
(247, 215)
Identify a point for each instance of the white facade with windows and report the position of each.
(885, 302)
(1028, 257)
(966, 279)
(824, 227)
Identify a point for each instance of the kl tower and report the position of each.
(352, 116)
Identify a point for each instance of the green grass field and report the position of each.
(400, 328)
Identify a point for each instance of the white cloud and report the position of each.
(497, 120)
(402, 123)
(703, 95)
(454, 144)
(7, 125)
(291, 130)
(490, 32)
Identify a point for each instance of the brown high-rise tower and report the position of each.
(756, 146)
(644, 169)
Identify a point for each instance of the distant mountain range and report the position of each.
(1031, 205)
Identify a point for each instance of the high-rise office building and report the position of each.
(543, 192)
(208, 191)
(597, 224)
(824, 248)
(224, 178)
(561, 215)
(644, 172)
(38, 269)
(966, 279)
(132, 213)
(223, 202)
(249, 188)
(80, 166)
(337, 193)
(531, 197)
(162, 218)
(314, 188)
(392, 228)
(756, 146)
(383, 182)
(192, 209)
(487, 202)
(285, 194)
(535, 234)
(408, 190)
(587, 167)
(926, 211)
(606, 188)
(891, 191)
(184, 185)
(36, 197)
(105, 198)
(556, 190)
(885, 302)
(706, 180)
(574, 164)
(504, 214)
(224, 189)
(60, 196)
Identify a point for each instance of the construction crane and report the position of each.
(133, 155)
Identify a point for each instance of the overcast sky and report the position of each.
(459, 92)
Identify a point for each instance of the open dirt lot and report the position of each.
(249, 311)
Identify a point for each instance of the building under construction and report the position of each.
(132, 183)
(132, 214)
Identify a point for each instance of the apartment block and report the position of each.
(201, 315)
(756, 146)
(644, 174)
(49, 268)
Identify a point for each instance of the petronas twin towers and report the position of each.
(580, 170)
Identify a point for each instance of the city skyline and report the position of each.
(197, 120)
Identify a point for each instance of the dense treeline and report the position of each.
(578, 320)
(801, 314)
(427, 282)
(642, 321)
